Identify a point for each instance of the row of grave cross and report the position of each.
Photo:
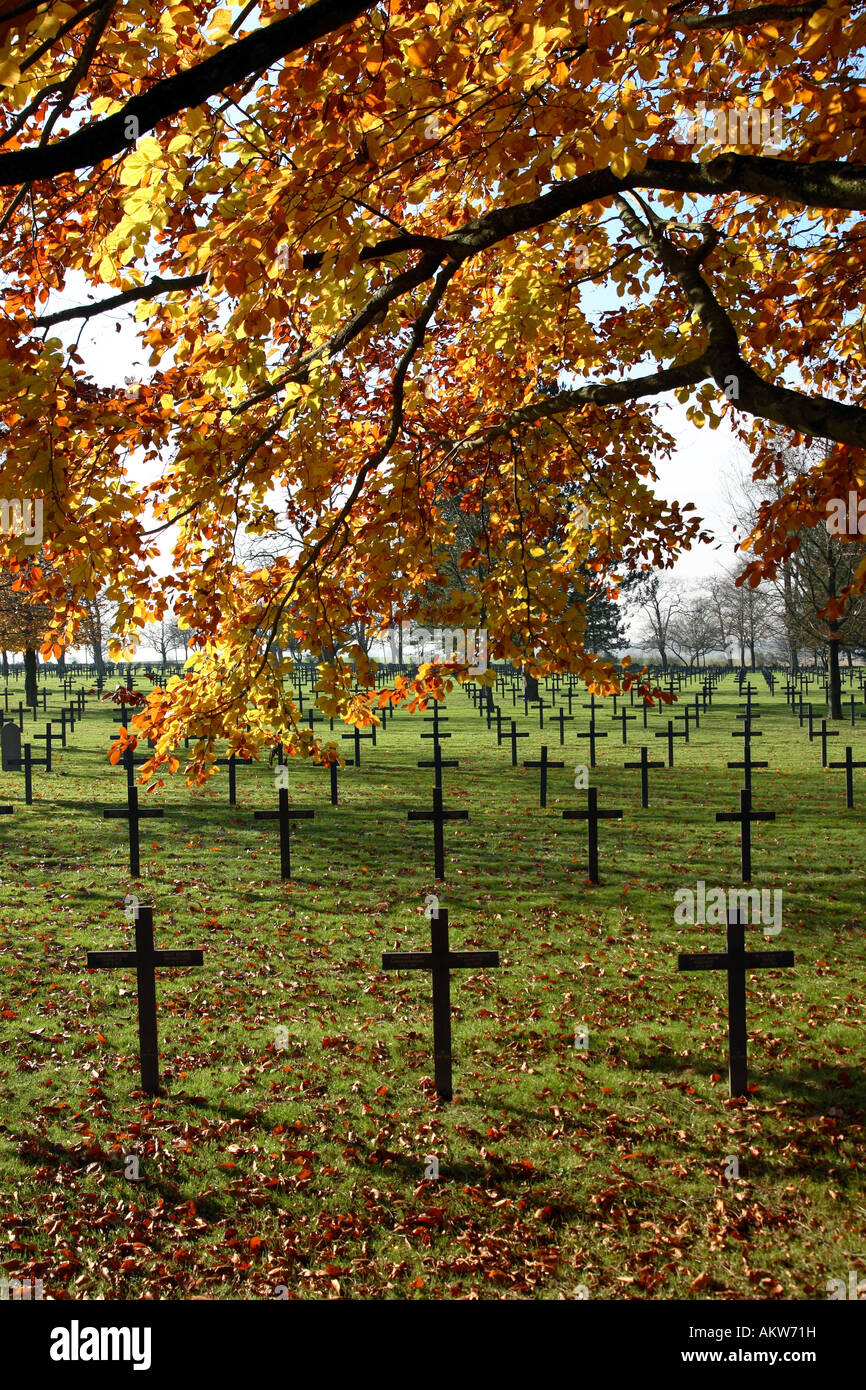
(439, 961)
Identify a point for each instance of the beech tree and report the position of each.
(356, 241)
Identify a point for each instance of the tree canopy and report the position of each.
(358, 242)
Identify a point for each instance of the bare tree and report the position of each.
(693, 630)
(658, 603)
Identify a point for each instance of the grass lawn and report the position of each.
(288, 1151)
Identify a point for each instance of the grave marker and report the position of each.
(285, 814)
(543, 764)
(440, 961)
(670, 734)
(514, 736)
(134, 813)
(438, 816)
(825, 734)
(644, 766)
(745, 816)
(592, 735)
(145, 960)
(736, 961)
(438, 762)
(357, 736)
(849, 766)
(10, 748)
(592, 815)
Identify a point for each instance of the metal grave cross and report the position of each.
(440, 961)
(736, 961)
(592, 815)
(438, 816)
(145, 959)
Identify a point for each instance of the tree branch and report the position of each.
(104, 139)
(154, 287)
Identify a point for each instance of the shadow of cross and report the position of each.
(736, 960)
(440, 961)
(145, 959)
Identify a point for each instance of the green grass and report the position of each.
(303, 1166)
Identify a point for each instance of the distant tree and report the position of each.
(658, 602)
(95, 628)
(23, 624)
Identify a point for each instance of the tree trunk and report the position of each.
(5, 666)
(30, 669)
(835, 681)
(530, 687)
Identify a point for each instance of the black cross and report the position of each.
(438, 762)
(435, 719)
(825, 734)
(438, 816)
(498, 727)
(623, 718)
(315, 716)
(543, 764)
(440, 961)
(561, 718)
(745, 816)
(592, 815)
(436, 736)
(145, 960)
(333, 766)
(686, 715)
(232, 764)
(748, 763)
(852, 703)
(592, 736)
(514, 736)
(47, 736)
(134, 813)
(849, 766)
(542, 706)
(736, 961)
(644, 766)
(670, 734)
(357, 736)
(697, 712)
(285, 815)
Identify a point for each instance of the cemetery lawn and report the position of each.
(296, 1160)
